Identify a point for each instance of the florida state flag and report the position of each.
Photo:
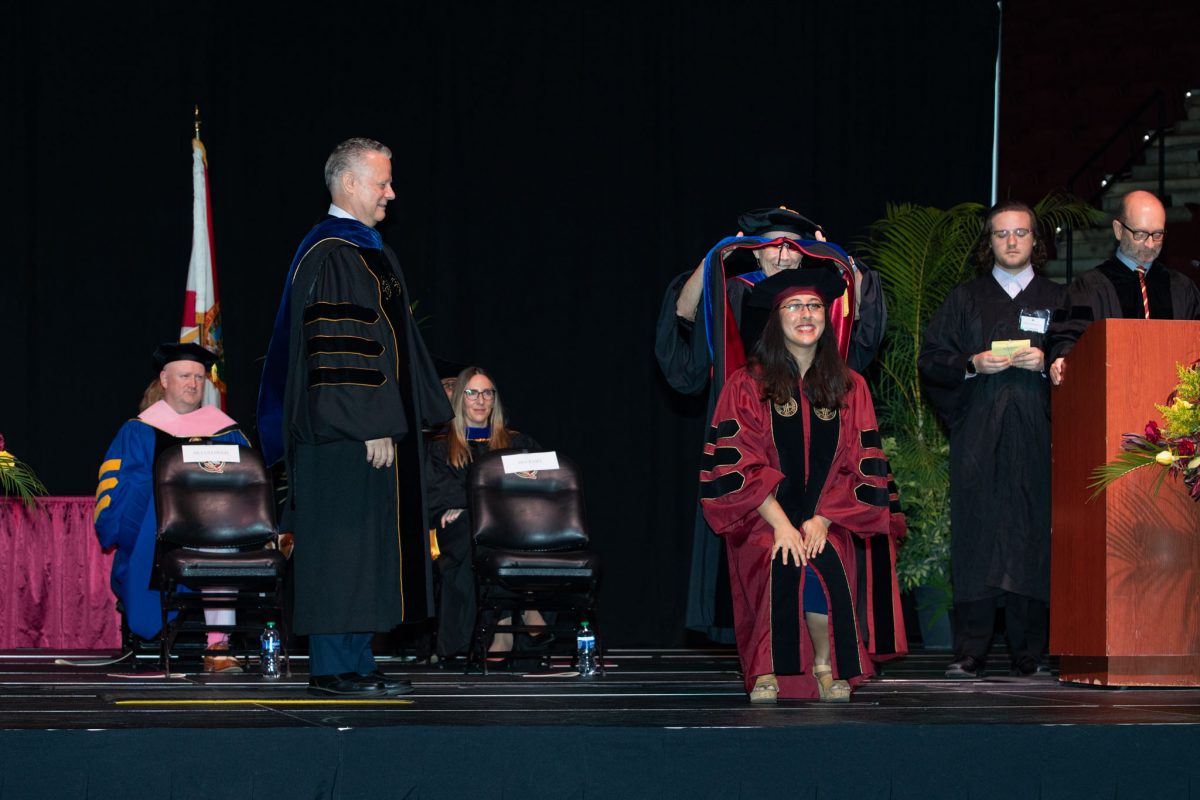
(201, 309)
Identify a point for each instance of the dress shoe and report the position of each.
(348, 684)
(965, 667)
(391, 686)
(221, 663)
(1028, 667)
(537, 643)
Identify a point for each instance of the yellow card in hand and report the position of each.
(1007, 347)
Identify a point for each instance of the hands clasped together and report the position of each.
(801, 546)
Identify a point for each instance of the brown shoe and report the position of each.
(221, 663)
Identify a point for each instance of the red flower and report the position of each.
(1, 441)
(1152, 432)
(1186, 447)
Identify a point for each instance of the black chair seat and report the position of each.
(182, 564)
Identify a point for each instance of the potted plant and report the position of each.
(17, 478)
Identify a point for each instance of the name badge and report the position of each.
(211, 453)
(1035, 320)
(529, 462)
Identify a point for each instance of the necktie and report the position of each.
(1141, 271)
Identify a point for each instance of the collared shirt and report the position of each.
(1129, 262)
(1010, 283)
(335, 211)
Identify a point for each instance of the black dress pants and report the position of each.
(1025, 620)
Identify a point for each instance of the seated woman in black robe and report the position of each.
(477, 427)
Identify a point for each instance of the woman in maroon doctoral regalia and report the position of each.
(792, 469)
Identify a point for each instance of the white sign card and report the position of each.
(204, 453)
(528, 462)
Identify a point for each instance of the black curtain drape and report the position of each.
(555, 165)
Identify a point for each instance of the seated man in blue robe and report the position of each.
(125, 514)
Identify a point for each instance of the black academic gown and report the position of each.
(999, 441)
(1112, 291)
(447, 490)
(357, 370)
(681, 348)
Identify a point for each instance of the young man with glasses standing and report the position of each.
(1132, 284)
(983, 365)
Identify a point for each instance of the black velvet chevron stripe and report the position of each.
(345, 376)
(871, 438)
(340, 312)
(721, 457)
(872, 495)
(785, 615)
(354, 345)
(721, 486)
(883, 613)
(841, 611)
(874, 467)
(723, 430)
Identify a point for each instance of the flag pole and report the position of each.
(196, 120)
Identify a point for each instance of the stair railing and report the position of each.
(1133, 132)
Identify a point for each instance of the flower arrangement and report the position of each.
(1173, 449)
(17, 478)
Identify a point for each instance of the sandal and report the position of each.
(831, 691)
(765, 691)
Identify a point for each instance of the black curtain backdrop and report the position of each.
(556, 165)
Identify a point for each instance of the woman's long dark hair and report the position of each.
(828, 378)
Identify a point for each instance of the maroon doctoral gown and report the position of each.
(815, 461)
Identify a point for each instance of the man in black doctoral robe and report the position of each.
(982, 361)
(1132, 284)
(698, 341)
(347, 387)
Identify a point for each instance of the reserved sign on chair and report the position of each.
(529, 462)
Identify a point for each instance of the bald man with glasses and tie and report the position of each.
(1133, 284)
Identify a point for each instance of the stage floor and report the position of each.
(659, 724)
(641, 688)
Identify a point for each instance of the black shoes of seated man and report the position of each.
(351, 684)
(967, 667)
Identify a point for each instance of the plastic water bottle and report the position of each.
(585, 650)
(269, 658)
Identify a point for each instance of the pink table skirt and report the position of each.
(54, 578)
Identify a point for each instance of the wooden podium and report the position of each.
(1124, 567)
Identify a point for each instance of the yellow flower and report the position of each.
(1165, 458)
(7, 460)
(1179, 401)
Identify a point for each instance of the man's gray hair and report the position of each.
(347, 155)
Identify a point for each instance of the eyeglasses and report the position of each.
(1004, 233)
(486, 394)
(794, 308)
(1141, 236)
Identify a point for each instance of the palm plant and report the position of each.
(921, 254)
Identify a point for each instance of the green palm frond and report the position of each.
(17, 478)
(1125, 463)
(1061, 210)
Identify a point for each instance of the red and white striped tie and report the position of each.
(1141, 271)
